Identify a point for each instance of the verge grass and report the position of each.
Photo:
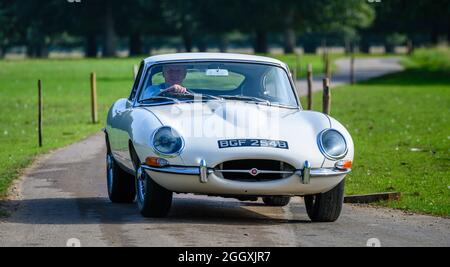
(66, 118)
(401, 127)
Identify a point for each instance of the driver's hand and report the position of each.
(176, 88)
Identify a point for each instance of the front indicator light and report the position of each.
(344, 165)
(156, 162)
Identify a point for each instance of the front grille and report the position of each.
(267, 170)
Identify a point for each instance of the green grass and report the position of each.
(66, 94)
(401, 128)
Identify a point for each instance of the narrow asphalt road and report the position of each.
(365, 69)
(63, 196)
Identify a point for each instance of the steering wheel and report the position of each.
(174, 94)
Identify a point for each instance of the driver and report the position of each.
(174, 76)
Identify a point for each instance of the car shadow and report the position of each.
(55, 211)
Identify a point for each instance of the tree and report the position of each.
(293, 18)
(93, 19)
(36, 23)
(421, 18)
(7, 27)
(343, 18)
(139, 19)
(259, 19)
(180, 18)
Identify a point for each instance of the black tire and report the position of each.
(326, 207)
(277, 201)
(154, 201)
(120, 184)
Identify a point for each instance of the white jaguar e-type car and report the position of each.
(223, 125)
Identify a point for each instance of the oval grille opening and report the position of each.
(254, 170)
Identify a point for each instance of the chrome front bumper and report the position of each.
(203, 171)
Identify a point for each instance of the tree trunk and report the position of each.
(410, 47)
(2, 52)
(91, 46)
(364, 46)
(389, 48)
(261, 42)
(223, 45)
(349, 47)
(202, 42)
(202, 47)
(188, 42)
(31, 51)
(135, 45)
(290, 40)
(310, 48)
(42, 50)
(37, 49)
(110, 42)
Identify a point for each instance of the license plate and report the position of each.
(253, 143)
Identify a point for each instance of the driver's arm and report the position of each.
(176, 88)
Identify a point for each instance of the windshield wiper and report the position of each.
(158, 98)
(246, 98)
(199, 97)
(209, 96)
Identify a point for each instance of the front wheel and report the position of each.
(153, 200)
(326, 207)
(120, 184)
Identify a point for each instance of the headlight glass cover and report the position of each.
(332, 144)
(167, 142)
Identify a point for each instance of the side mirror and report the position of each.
(128, 104)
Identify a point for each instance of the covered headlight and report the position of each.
(167, 142)
(332, 144)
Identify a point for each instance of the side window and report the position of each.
(136, 82)
(277, 87)
(271, 84)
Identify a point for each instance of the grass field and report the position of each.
(301, 63)
(400, 123)
(66, 105)
(401, 128)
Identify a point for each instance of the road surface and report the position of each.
(63, 196)
(365, 69)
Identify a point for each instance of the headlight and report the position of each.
(167, 142)
(332, 144)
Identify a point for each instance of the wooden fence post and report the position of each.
(94, 98)
(326, 96)
(410, 47)
(310, 86)
(40, 113)
(352, 70)
(327, 66)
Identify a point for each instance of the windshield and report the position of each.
(257, 83)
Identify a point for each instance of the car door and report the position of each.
(122, 118)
